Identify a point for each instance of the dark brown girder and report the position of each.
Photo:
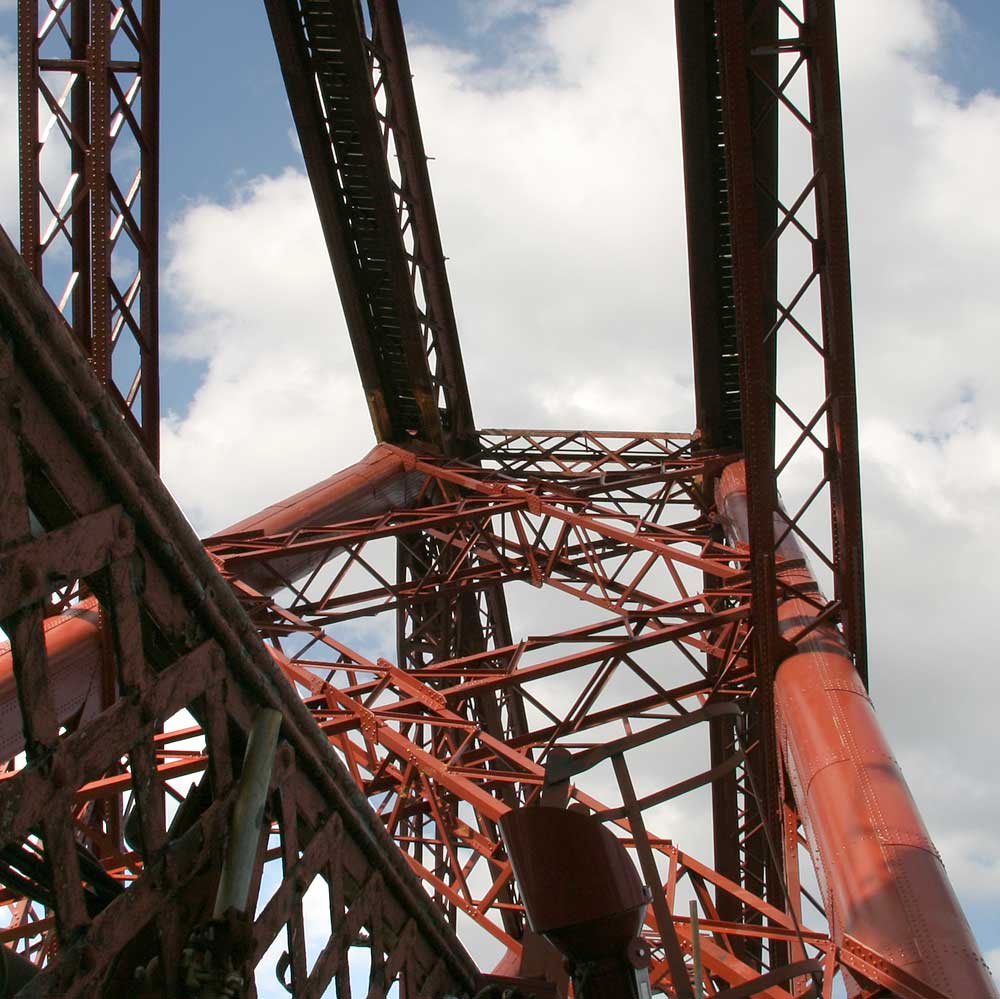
(366, 162)
(106, 219)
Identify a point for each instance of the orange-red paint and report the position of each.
(882, 879)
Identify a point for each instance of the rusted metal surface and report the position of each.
(710, 265)
(116, 860)
(759, 82)
(583, 893)
(88, 94)
(819, 439)
(428, 274)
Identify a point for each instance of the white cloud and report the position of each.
(281, 405)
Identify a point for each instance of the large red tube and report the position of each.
(882, 879)
(376, 484)
(73, 646)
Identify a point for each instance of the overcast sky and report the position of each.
(555, 134)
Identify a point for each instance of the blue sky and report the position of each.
(224, 116)
(931, 472)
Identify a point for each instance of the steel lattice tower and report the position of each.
(195, 750)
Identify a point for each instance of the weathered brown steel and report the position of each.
(93, 67)
(353, 106)
(401, 128)
(132, 901)
(710, 265)
(757, 245)
(751, 73)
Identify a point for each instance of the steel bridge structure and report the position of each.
(202, 775)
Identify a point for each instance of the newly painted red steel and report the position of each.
(882, 879)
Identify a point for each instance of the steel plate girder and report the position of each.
(352, 101)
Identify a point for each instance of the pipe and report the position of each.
(247, 819)
(51, 359)
(376, 484)
(73, 646)
(882, 880)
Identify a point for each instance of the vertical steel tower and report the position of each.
(206, 773)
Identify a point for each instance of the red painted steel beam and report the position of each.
(88, 506)
(883, 881)
(92, 67)
(379, 726)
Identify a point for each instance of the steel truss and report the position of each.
(619, 523)
(771, 313)
(348, 81)
(111, 859)
(145, 668)
(88, 97)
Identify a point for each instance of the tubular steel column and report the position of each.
(883, 883)
(89, 162)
